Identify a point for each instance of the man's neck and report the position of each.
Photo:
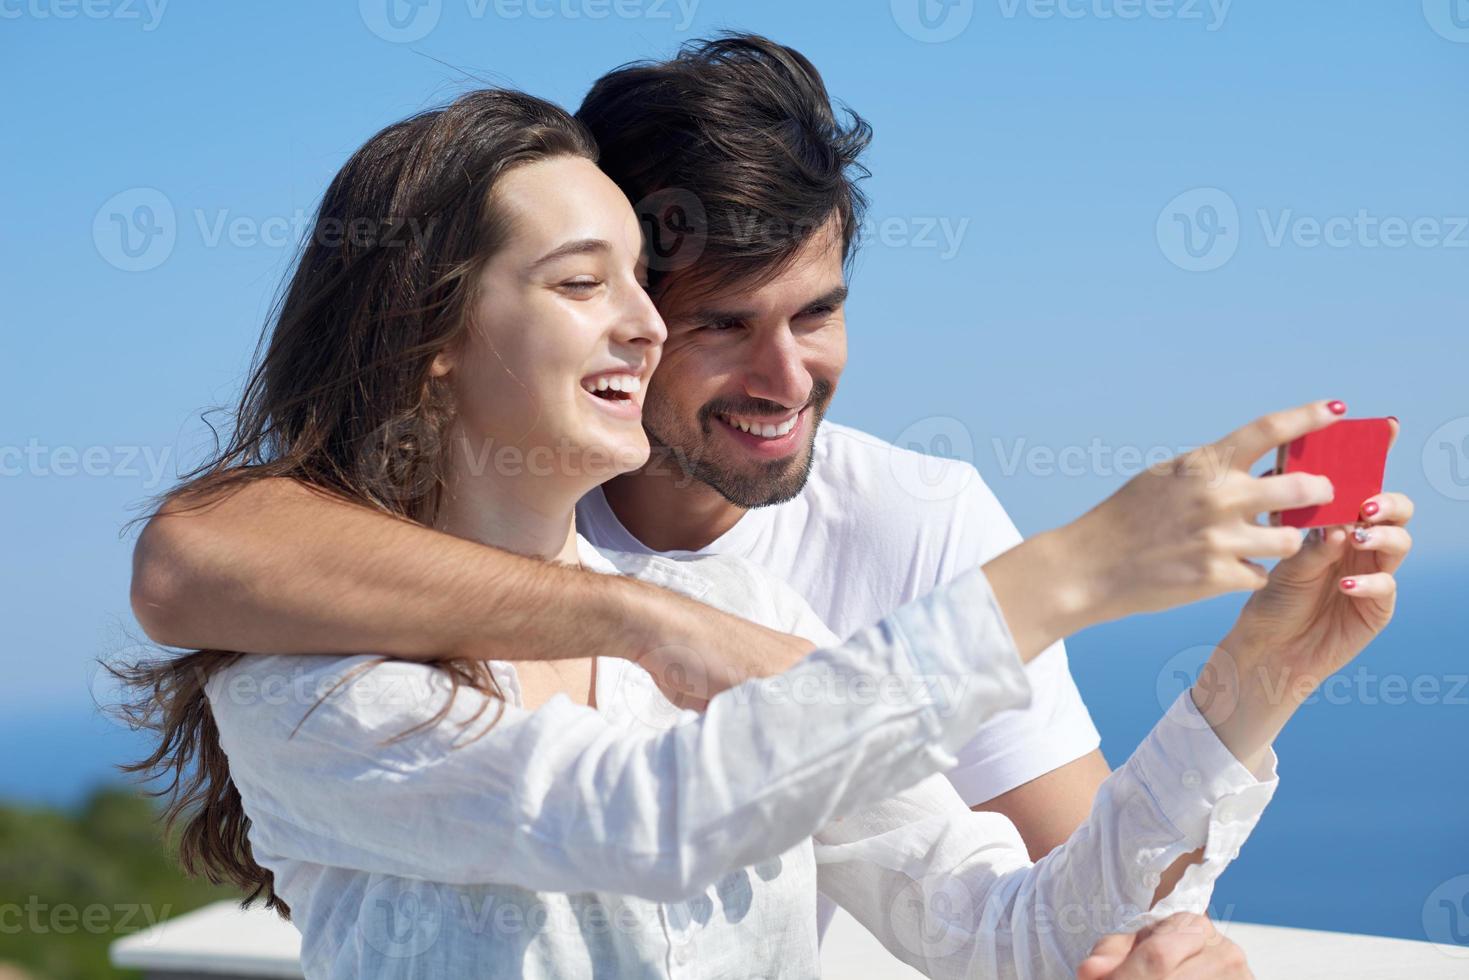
(668, 511)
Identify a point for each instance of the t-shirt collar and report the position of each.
(737, 540)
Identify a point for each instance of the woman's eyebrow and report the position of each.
(580, 246)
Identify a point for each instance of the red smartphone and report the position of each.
(1352, 454)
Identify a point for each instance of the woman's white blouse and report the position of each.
(637, 840)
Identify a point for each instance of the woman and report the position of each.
(469, 356)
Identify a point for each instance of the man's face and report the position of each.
(747, 374)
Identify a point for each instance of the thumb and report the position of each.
(1106, 956)
(1323, 547)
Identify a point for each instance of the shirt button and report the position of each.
(681, 954)
(1226, 812)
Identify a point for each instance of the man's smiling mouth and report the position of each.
(763, 428)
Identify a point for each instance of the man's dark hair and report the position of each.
(732, 155)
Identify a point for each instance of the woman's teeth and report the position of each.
(764, 430)
(626, 383)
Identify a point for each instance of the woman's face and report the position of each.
(549, 381)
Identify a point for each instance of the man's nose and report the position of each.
(777, 371)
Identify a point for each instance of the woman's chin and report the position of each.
(615, 454)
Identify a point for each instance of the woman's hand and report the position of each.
(1319, 609)
(1323, 606)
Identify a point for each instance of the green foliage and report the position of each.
(73, 882)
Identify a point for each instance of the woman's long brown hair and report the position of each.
(341, 398)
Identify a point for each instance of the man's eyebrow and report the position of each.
(835, 296)
(580, 246)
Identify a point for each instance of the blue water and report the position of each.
(1372, 812)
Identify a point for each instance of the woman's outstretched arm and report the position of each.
(562, 799)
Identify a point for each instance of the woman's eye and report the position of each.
(582, 285)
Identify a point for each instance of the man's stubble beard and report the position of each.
(770, 483)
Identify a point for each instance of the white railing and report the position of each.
(223, 941)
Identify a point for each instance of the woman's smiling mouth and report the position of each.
(615, 392)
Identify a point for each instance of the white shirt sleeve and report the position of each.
(557, 799)
(953, 894)
(1017, 746)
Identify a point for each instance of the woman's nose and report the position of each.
(639, 320)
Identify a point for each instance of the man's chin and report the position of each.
(762, 485)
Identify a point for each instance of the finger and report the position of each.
(1096, 968)
(1375, 585)
(1244, 576)
(1388, 508)
(1242, 447)
(1255, 541)
(1157, 956)
(1106, 955)
(1319, 549)
(1390, 542)
(1289, 491)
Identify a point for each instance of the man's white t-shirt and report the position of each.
(878, 526)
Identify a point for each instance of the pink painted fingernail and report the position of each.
(1371, 507)
(1362, 535)
(1337, 407)
(1349, 583)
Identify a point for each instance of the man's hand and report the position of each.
(689, 677)
(1181, 947)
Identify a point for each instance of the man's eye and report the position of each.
(721, 324)
(818, 311)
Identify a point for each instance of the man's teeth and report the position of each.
(764, 430)
(614, 382)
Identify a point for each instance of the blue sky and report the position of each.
(1098, 228)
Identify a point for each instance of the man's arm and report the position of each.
(277, 567)
(1049, 808)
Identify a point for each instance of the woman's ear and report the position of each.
(442, 365)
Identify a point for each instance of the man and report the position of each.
(746, 183)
